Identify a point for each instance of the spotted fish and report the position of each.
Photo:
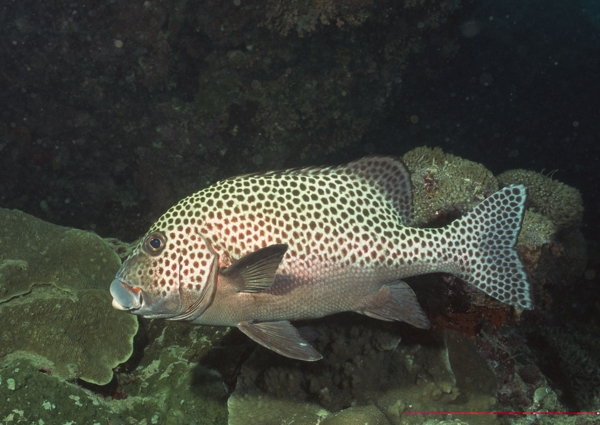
(261, 250)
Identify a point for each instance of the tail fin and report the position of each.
(487, 238)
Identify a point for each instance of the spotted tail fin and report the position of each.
(486, 247)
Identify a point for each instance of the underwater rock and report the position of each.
(369, 374)
(53, 283)
(359, 415)
(54, 301)
(570, 357)
(249, 405)
(522, 385)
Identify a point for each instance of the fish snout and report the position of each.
(125, 297)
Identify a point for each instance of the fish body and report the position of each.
(257, 251)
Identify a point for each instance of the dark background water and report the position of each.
(541, 110)
(88, 129)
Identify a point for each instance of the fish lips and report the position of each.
(125, 297)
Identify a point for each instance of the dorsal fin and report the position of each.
(389, 174)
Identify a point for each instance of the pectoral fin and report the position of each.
(281, 337)
(397, 301)
(255, 272)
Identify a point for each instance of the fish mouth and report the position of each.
(125, 297)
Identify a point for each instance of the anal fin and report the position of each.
(281, 337)
(397, 301)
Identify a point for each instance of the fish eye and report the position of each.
(155, 242)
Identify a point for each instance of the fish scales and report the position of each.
(259, 250)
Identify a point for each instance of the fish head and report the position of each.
(170, 275)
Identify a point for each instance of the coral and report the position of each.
(560, 203)
(54, 302)
(537, 232)
(169, 390)
(445, 186)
